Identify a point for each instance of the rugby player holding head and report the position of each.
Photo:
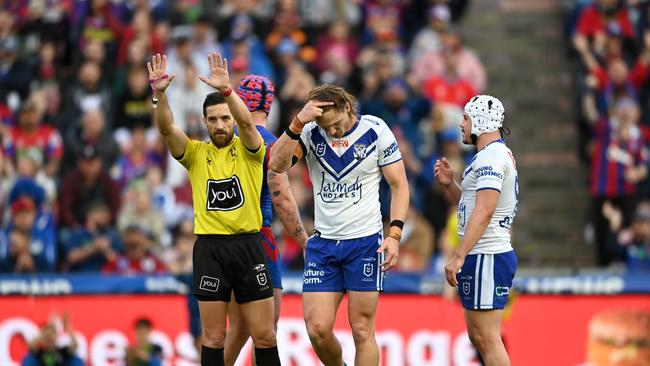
(258, 93)
(226, 177)
(484, 263)
(346, 156)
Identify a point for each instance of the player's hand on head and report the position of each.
(443, 172)
(219, 77)
(312, 110)
(158, 78)
(391, 248)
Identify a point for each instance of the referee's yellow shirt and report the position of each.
(226, 185)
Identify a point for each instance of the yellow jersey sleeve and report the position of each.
(257, 156)
(191, 151)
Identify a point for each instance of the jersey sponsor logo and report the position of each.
(259, 267)
(360, 151)
(209, 284)
(313, 276)
(390, 150)
(502, 290)
(320, 149)
(368, 269)
(224, 194)
(335, 192)
(488, 171)
(340, 143)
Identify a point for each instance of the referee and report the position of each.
(226, 177)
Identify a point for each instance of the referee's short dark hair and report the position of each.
(212, 99)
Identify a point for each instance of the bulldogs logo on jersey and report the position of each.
(359, 151)
(224, 194)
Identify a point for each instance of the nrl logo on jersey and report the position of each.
(359, 151)
(320, 149)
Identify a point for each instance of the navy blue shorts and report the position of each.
(272, 256)
(485, 280)
(340, 265)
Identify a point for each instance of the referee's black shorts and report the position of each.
(225, 263)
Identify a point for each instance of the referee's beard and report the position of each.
(222, 138)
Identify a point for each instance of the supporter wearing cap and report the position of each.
(30, 244)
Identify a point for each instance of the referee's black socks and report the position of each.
(212, 356)
(267, 356)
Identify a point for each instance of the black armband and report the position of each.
(397, 223)
(292, 135)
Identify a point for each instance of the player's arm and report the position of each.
(220, 80)
(395, 175)
(444, 174)
(287, 149)
(174, 137)
(286, 207)
(486, 203)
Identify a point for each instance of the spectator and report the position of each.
(87, 94)
(93, 131)
(136, 258)
(31, 134)
(141, 28)
(183, 96)
(432, 63)
(89, 248)
(428, 39)
(335, 45)
(204, 39)
(138, 208)
(402, 110)
(184, 53)
(450, 88)
(15, 75)
(136, 159)
(135, 58)
(143, 352)
(133, 106)
(32, 240)
(94, 20)
(33, 182)
(633, 242)
(595, 20)
(46, 350)
(88, 183)
(619, 162)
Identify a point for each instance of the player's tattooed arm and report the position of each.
(286, 207)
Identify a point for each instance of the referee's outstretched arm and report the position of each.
(175, 138)
(220, 80)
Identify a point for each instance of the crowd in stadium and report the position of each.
(611, 40)
(87, 184)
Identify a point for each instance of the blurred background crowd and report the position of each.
(86, 183)
(611, 47)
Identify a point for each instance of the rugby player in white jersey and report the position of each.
(484, 263)
(346, 156)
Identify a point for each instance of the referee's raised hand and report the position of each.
(158, 78)
(218, 78)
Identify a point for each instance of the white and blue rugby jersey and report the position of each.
(493, 167)
(345, 173)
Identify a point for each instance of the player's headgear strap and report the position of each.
(487, 114)
(257, 92)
